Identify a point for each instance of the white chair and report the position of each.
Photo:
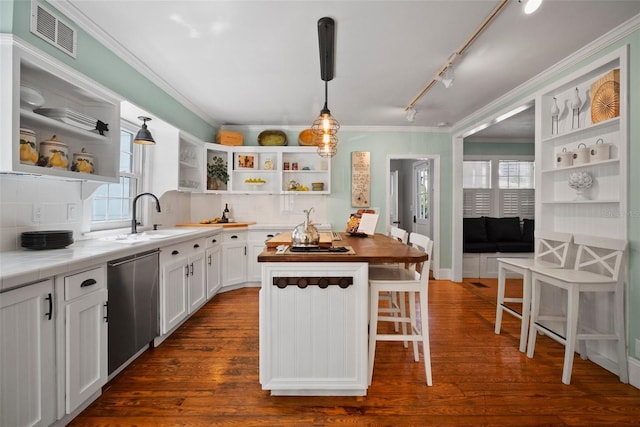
(597, 269)
(551, 251)
(395, 300)
(413, 279)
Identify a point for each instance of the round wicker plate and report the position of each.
(306, 137)
(605, 104)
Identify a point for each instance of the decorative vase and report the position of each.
(580, 181)
(212, 183)
(576, 103)
(555, 112)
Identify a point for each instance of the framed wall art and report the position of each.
(360, 179)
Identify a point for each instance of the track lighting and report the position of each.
(411, 114)
(447, 77)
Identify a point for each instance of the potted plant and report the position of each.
(216, 171)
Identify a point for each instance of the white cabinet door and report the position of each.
(173, 293)
(214, 273)
(234, 262)
(254, 273)
(86, 352)
(197, 284)
(27, 357)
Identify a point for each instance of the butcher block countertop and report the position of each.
(374, 249)
(217, 224)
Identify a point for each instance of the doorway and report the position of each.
(413, 197)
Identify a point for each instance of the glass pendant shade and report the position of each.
(328, 145)
(144, 136)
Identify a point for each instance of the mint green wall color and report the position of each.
(100, 64)
(6, 16)
(498, 148)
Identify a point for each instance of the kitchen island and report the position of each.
(314, 316)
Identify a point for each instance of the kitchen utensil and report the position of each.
(28, 152)
(54, 154)
(305, 235)
(272, 137)
(30, 98)
(46, 239)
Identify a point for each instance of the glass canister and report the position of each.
(28, 152)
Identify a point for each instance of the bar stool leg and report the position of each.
(618, 319)
(501, 288)
(403, 313)
(426, 348)
(572, 329)
(526, 309)
(535, 309)
(414, 324)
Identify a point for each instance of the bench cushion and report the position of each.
(475, 230)
(506, 229)
(515, 247)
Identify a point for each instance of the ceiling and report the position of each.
(257, 62)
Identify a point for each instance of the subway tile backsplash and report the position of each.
(37, 203)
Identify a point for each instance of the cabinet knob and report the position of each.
(213, 240)
(196, 246)
(175, 252)
(234, 237)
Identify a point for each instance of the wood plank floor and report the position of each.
(206, 374)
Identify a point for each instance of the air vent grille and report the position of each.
(52, 29)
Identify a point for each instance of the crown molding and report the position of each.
(292, 128)
(529, 87)
(103, 37)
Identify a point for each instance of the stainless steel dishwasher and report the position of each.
(133, 283)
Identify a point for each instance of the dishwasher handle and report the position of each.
(136, 257)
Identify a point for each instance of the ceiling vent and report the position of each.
(52, 29)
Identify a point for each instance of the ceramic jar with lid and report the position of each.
(82, 162)
(564, 158)
(54, 154)
(600, 151)
(28, 152)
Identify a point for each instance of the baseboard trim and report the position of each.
(634, 372)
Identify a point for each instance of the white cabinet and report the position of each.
(234, 257)
(85, 334)
(271, 170)
(214, 265)
(182, 282)
(177, 161)
(196, 279)
(174, 273)
(600, 209)
(27, 357)
(255, 245)
(66, 94)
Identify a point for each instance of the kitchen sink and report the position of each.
(143, 236)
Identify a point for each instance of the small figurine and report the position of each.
(102, 127)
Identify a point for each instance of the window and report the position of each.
(515, 174)
(476, 174)
(111, 207)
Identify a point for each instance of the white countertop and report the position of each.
(25, 266)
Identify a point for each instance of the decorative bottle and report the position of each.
(225, 213)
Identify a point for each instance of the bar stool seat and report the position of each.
(414, 280)
(597, 270)
(551, 252)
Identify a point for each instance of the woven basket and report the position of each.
(306, 137)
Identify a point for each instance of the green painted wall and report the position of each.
(99, 63)
(498, 148)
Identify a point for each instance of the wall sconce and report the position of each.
(144, 136)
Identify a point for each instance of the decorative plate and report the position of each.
(605, 104)
(306, 137)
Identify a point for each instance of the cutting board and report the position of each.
(326, 239)
(218, 224)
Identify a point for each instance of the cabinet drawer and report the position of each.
(213, 240)
(234, 236)
(84, 283)
(263, 235)
(196, 245)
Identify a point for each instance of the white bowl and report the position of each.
(30, 98)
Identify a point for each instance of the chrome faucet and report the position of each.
(134, 224)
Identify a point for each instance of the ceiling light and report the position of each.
(447, 77)
(325, 127)
(144, 136)
(531, 6)
(411, 114)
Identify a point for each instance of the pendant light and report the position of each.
(144, 136)
(325, 127)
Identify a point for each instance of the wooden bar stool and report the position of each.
(413, 279)
(597, 269)
(551, 252)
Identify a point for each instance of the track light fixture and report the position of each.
(144, 136)
(447, 77)
(411, 114)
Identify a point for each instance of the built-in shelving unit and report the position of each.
(61, 88)
(558, 206)
(271, 170)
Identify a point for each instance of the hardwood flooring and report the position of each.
(206, 374)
